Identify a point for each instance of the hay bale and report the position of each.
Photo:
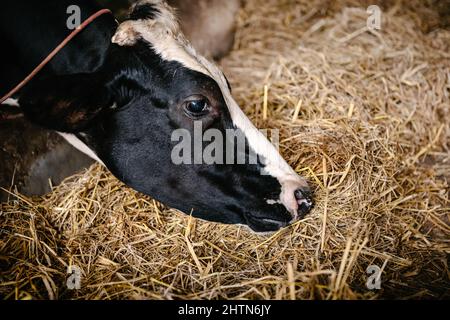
(363, 114)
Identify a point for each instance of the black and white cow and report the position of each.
(117, 92)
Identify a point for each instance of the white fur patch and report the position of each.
(165, 37)
(12, 102)
(78, 144)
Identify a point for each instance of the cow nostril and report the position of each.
(304, 200)
(302, 194)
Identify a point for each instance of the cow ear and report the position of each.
(67, 103)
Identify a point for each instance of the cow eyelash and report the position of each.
(196, 106)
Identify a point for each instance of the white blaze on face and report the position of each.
(165, 37)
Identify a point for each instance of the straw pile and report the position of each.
(363, 114)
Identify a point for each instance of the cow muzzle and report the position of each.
(297, 197)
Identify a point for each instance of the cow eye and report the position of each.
(196, 106)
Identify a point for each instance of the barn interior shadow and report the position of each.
(32, 159)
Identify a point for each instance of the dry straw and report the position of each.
(363, 114)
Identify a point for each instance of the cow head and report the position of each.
(152, 84)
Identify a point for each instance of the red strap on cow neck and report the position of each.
(33, 73)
